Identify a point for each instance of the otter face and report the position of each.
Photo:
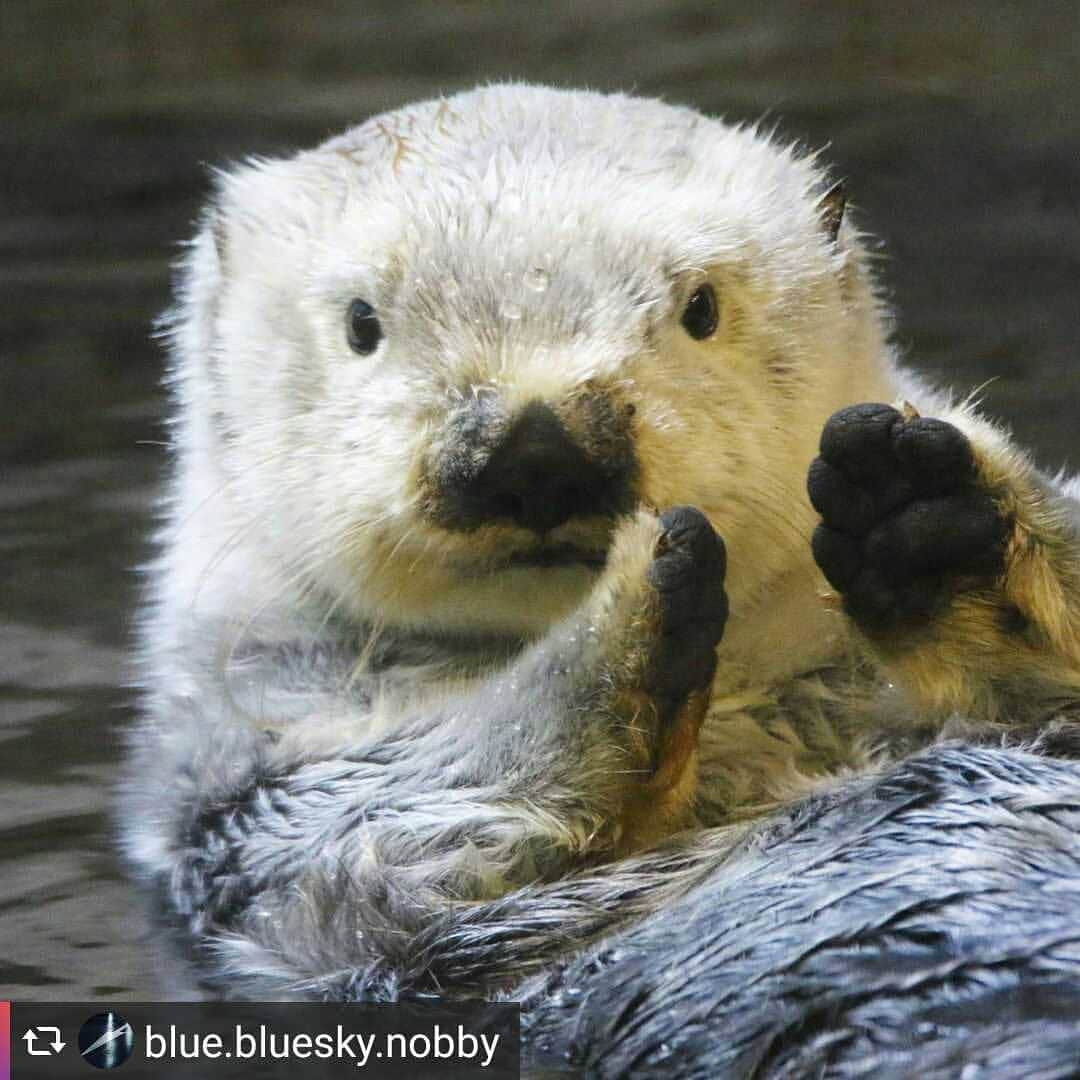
(449, 349)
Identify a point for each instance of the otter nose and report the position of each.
(537, 476)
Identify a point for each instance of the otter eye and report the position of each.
(363, 327)
(701, 316)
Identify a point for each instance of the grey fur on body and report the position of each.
(919, 923)
(408, 734)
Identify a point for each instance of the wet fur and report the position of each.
(915, 923)
(380, 756)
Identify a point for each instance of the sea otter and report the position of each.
(548, 507)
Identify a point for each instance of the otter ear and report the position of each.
(831, 210)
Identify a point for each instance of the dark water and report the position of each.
(957, 127)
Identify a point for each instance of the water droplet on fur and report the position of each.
(511, 310)
(537, 279)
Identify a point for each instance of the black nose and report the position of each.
(536, 477)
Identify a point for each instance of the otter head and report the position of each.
(440, 355)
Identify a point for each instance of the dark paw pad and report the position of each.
(688, 576)
(903, 518)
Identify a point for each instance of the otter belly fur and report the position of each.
(540, 547)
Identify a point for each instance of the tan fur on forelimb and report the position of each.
(1019, 632)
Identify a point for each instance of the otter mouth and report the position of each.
(580, 554)
(555, 555)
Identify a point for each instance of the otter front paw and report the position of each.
(905, 524)
(677, 625)
(687, 573)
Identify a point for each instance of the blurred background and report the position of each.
(956, 125)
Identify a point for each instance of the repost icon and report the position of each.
(106, 1040)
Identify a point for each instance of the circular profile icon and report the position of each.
(106, 1040)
